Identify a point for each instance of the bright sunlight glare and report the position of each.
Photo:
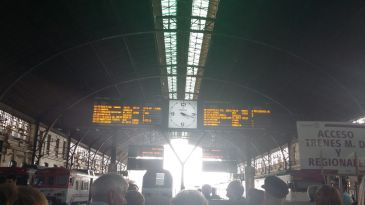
(194, 177)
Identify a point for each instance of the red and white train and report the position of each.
(64, 186)
(61, 186)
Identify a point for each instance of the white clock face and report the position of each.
(183, 114)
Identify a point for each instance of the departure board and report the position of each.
(214, 117)
(149, 151)
(126, 115)
(145, 157)
(216, 153)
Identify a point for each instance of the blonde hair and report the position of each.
(29, 196)
(361, 200)
(7, 193)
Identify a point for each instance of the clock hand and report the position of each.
(186, 115)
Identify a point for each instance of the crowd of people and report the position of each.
(113, 189)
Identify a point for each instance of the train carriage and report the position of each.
(63, 186)
(23, 176)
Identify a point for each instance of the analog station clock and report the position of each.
(183, 114)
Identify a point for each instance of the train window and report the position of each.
(77, 185)
(62, 180)
(71, 181)
(39, 181)
(86, 185)
(22, 180)
(50, 180)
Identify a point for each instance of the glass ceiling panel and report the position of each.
(200, 8)
(192, 70)
(190, 84)
(168, 7)
(171, 80)
(195, 45)
(171, 70)
(169, 23)
(172, 96)
(198, 24)
(189, 96)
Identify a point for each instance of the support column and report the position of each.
(249, 169)
(88, 157)
(35, 140)
(249, 177)
(113, 156)
(68, 160)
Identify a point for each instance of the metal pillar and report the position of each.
(113, 156)
(68, 164)
(35, 138)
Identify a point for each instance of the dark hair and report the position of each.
(235, 190)
(327, 195)
(255, 196)
(12, 177)
(134, 198)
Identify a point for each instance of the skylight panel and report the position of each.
(189, 96)
(171, 70)
(195, 45)
(171, 80)
(190, 84)
(198, 24)
(191, 70)
(173, 96)
(200, 8)
(168, 7)
(169, 23)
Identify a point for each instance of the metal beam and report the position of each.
(134, 66)
(77, 144)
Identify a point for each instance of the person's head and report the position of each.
(255, 197)
(191, 197)
(132, 186)
(206, 190)
(361, 199)
(111, 189)
(327, 195)
(29, 196)
(275, 190)
(214, 191)
(311, 192)
(235, 190)
(134, 198)
(7, 193)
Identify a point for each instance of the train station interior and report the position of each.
(209, 91)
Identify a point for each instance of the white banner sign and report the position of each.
(332, 146)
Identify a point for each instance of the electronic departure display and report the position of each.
(148, 151)
(215, 117)
(215, 153)
(218, 160)
(145, 157)
(126, 115)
